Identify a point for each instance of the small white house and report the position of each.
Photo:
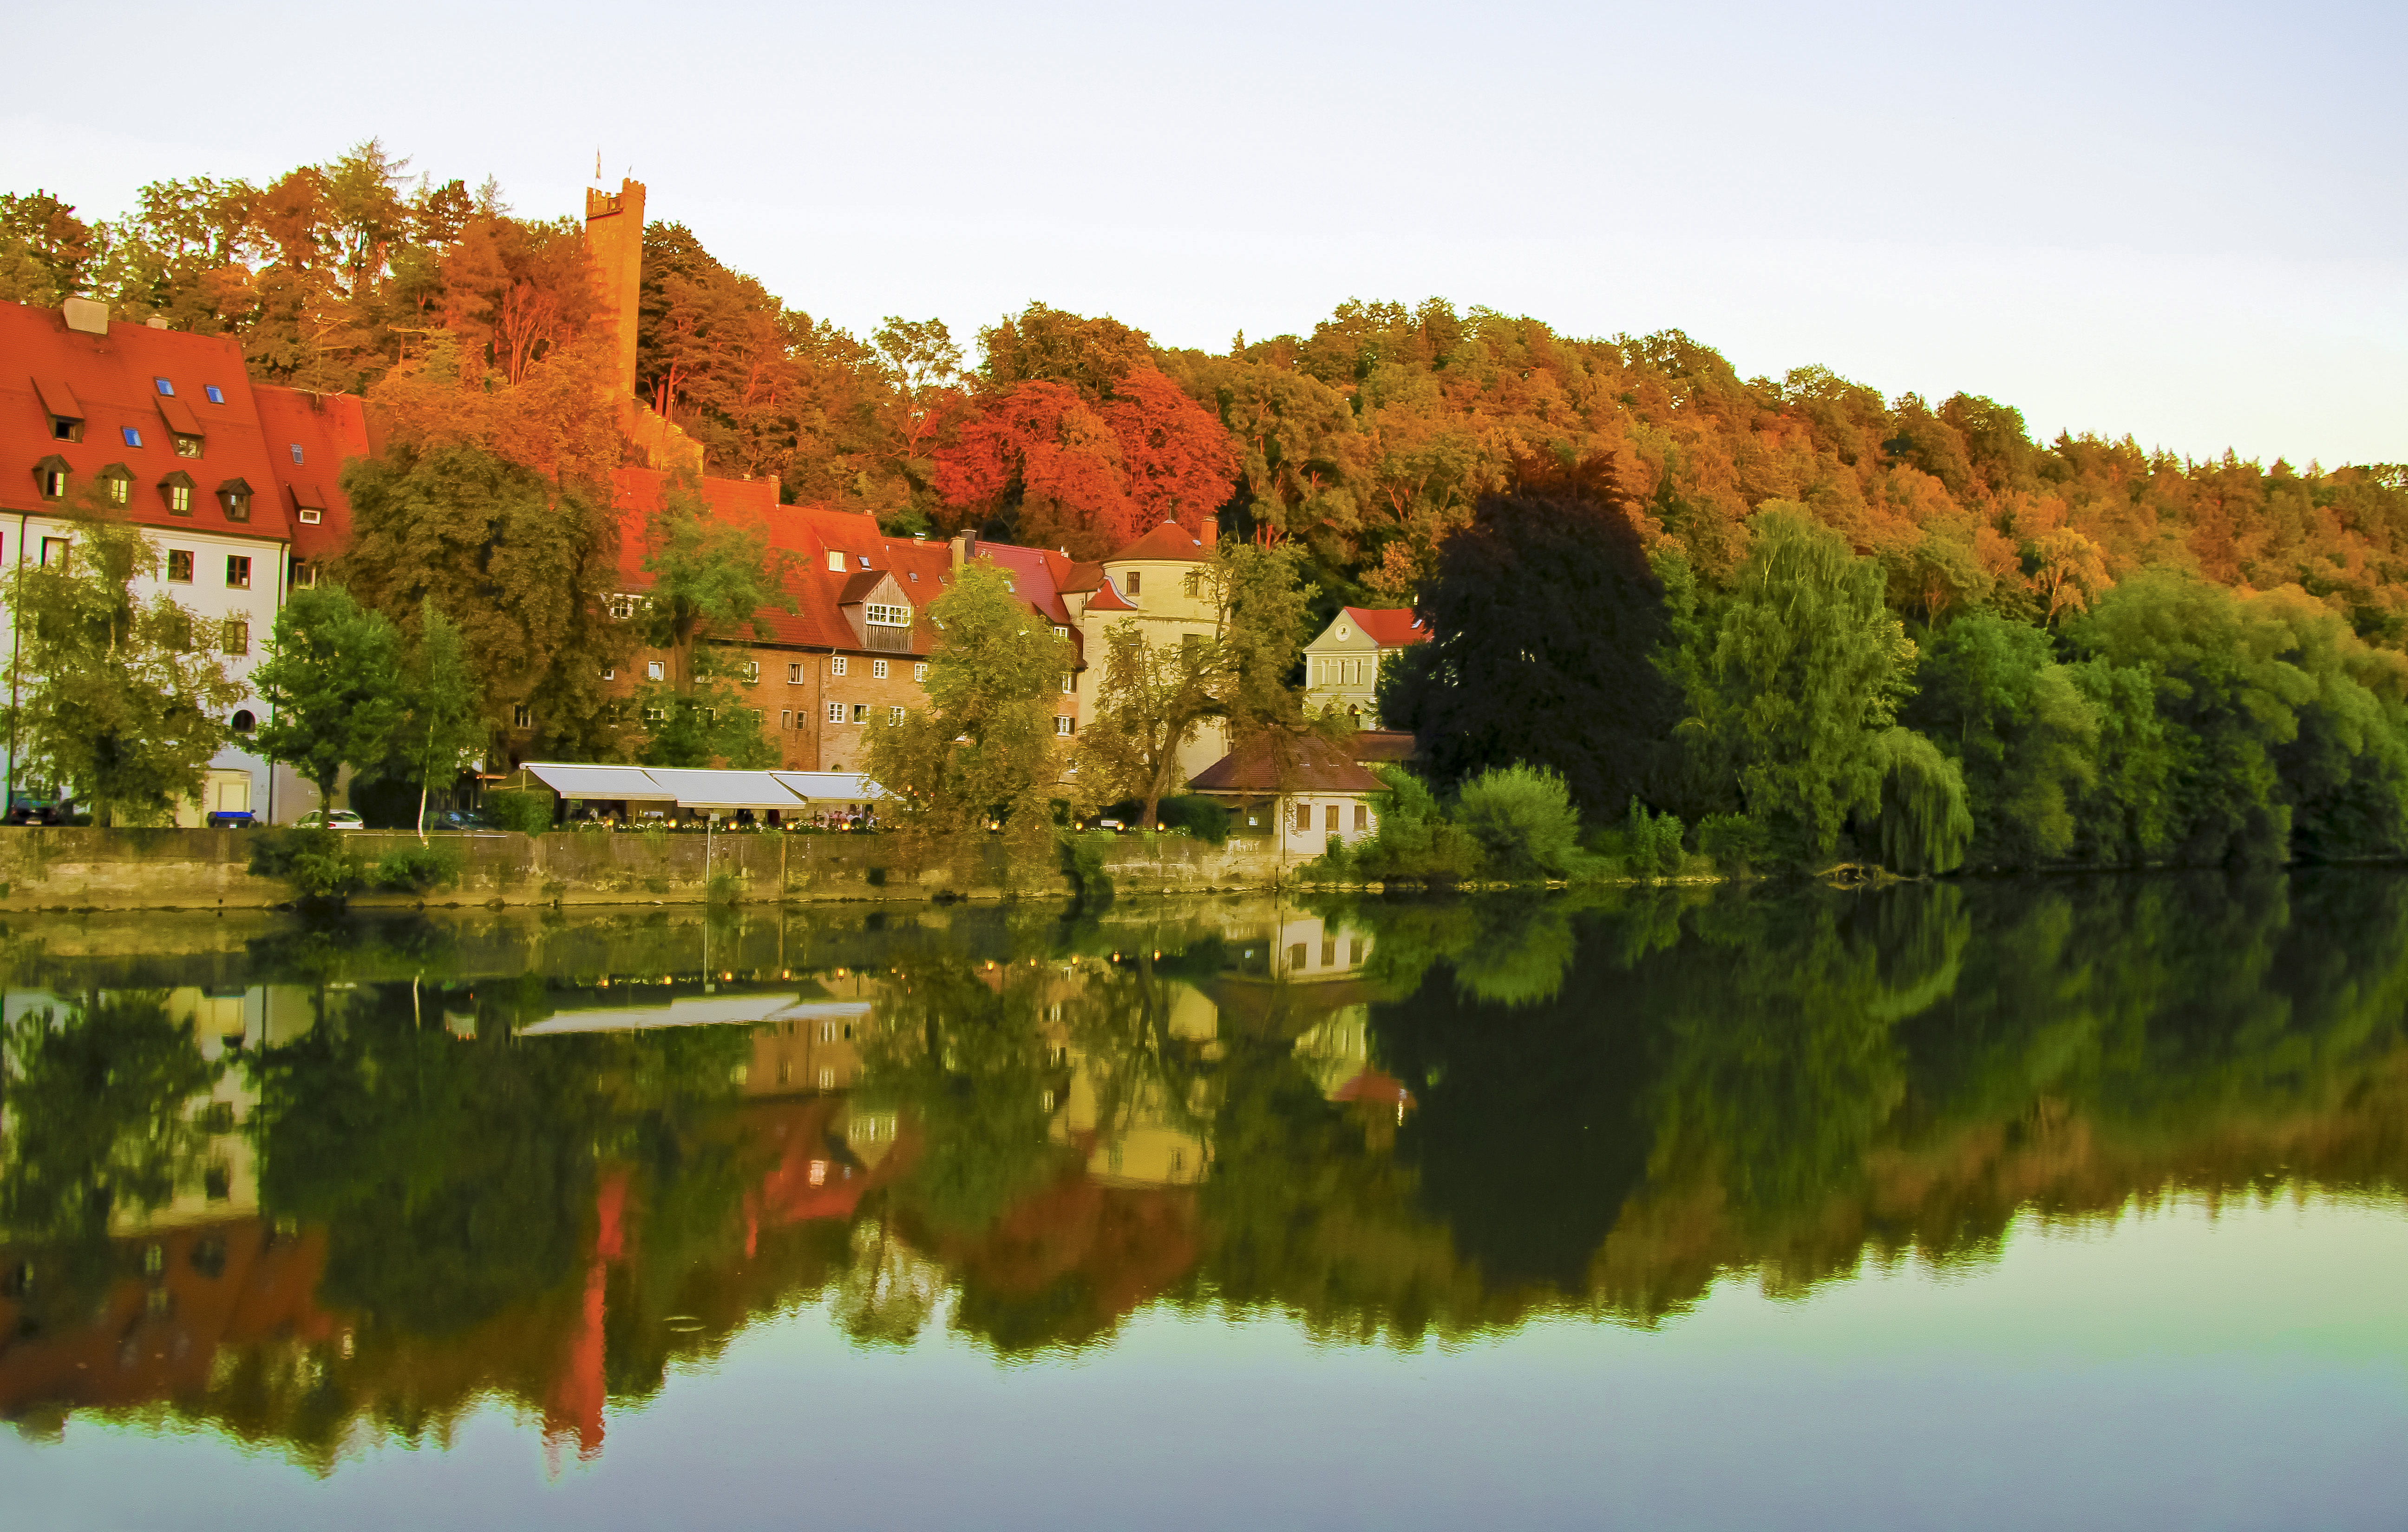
(1302, 790)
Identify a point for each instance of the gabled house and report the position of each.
(1299, 790)
(1341, 667)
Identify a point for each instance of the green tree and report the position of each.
(710, 579)
(440, 731)
(332, 684)
(983, 747)
(523, 566)
(1524, 819)
(121, 699)
(1992, 696)
(1792, 676)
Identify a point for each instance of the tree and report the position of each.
(1544, 619)
(440, 731)
(332, 686)
(710, 579)
(523, 566)
(1524, 819)
(1793, 678)
(1993, 697)
(121, 700)
(983, 747)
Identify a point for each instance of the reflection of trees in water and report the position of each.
(97, 1094)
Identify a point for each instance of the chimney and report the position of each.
(86, 315)
(965, 544)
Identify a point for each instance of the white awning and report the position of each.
(697, 1010)
(600, 783)
(831, 786)
(724, 789)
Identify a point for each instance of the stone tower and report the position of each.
(614, 237)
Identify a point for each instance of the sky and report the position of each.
(2185, 225)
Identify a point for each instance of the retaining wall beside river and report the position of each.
(154, 869)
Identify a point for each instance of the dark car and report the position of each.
(460, 820)
(33, 809)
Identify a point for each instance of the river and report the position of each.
(2070, 1203)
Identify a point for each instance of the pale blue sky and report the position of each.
(2183, 222)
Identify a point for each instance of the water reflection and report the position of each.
(315, 1185)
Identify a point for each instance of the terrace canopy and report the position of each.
(600, 783)
(724, 790)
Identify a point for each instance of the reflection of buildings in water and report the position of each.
(1137, 1132)
(1302, 947)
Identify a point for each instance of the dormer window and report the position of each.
(836, 561)
(187, 445)
(622, 608)
(878, 614)
(308, 504)
(167, 390)
(64, 410)
(234, 498)
(117, 484)
(50, 477)
(176, 490)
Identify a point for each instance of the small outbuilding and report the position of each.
(1299, 788)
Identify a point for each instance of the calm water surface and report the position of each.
(2059, 1204)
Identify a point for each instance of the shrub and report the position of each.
(1523, 818)
(317, 864)
(1083, 862)
(1738, 844)
(1653, 842)
(1205, 818)
(415, 869)
(1415, 843)
(527, 812)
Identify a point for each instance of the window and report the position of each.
(311, 516)
(235, 496)
(1328, 950)
(878, 670)
(1061, 631)
(1135, 582)
(1193, 585)
(187, 446)
(836, 561)
(920, 672)
(622, 607)
(236, 637)
(180, 495)
(132, 437)
(237, 572)
(50, 477)
(894, 718)
(54, 553)
(180, 566)
(1330, 818)
(1304, 816)
(1296, 955)
(216, 397)
(610, 673)
(305, 576)
(166, 388)
(522, 716)
(296, 452)
(836, 666)
(654, 670)
(880, 614)
(1069, 681)
(794, 675)
(1362, 816)
(1355, 951)
(243, 721)
(1061, 726)
(751, 672)
(827, 1079)
(786, 719)
(836, 712)
(861, 712)
(64, 429)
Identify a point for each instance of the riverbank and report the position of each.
(82, 869)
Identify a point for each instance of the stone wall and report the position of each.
(207, 869)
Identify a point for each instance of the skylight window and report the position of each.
(165, 388)
(132, 437)
(296, 451)
(217, 395)
(865, 561)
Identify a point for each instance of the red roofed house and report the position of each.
(1342, 665)
(1158, 582)
(165, 429)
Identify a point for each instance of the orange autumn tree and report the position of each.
(1063, 472)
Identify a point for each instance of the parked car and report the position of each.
(33, 809)
(461, 819)
(332, 819)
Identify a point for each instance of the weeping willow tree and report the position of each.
(1923, 822)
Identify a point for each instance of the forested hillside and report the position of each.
(1369, 439)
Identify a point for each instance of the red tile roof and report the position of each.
(1170, 542)
(1390, 627)
(110, 379)
(330, 429)
(1379, 747)
(1108, 598)
(1277, 763)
